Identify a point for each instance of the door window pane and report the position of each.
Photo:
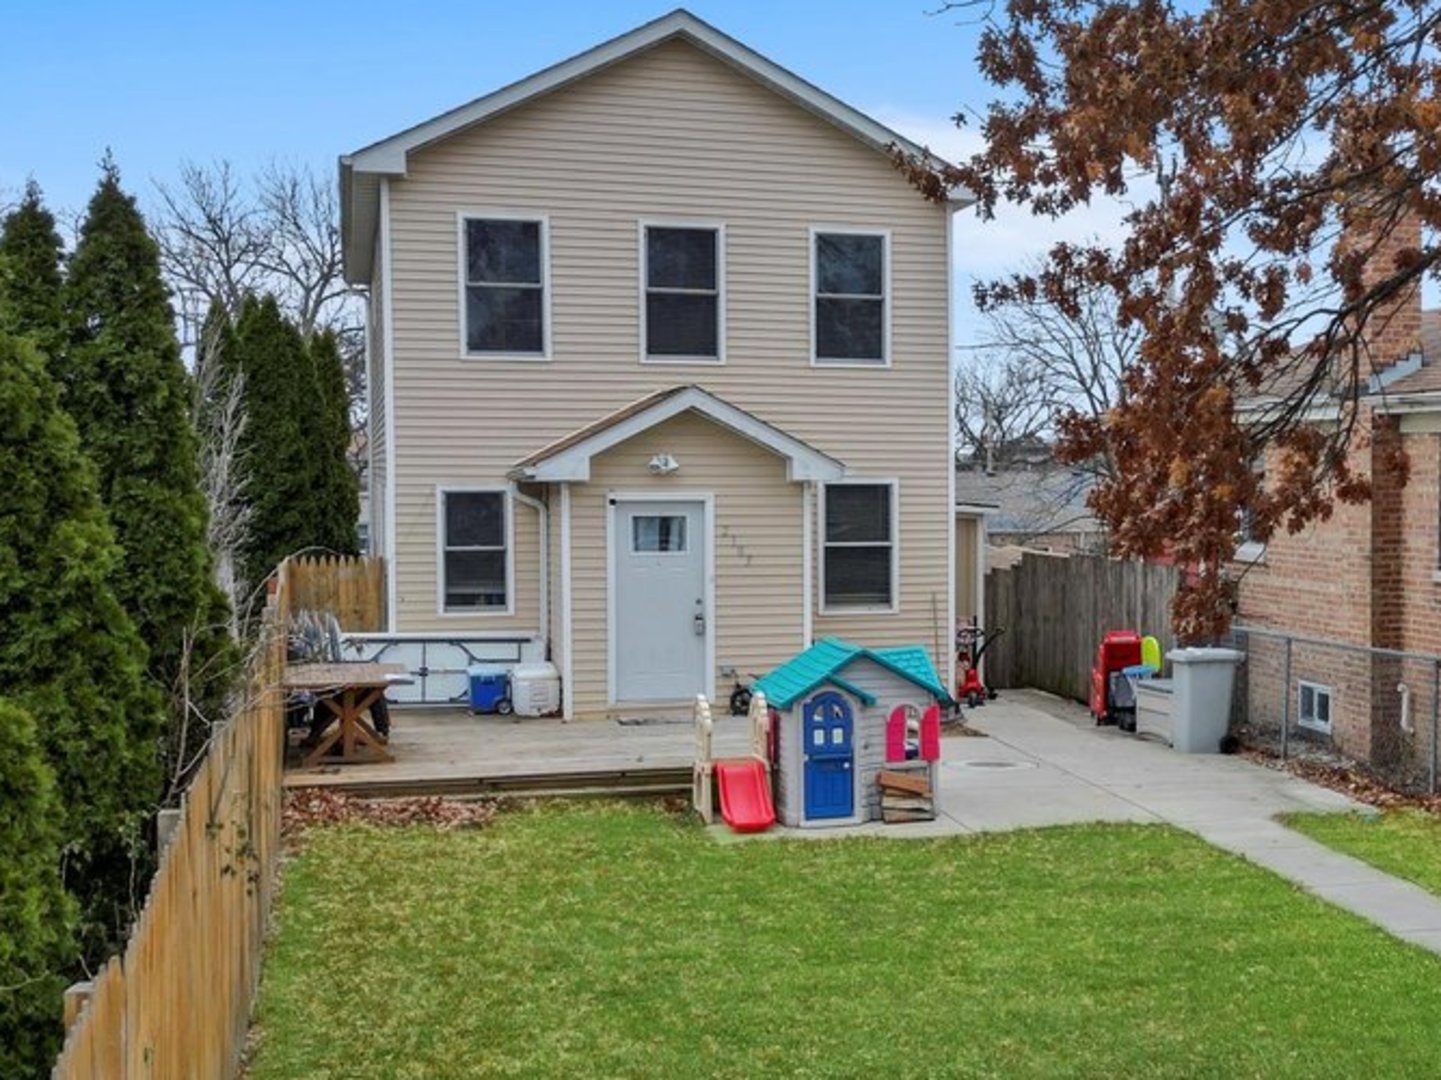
(658, 533)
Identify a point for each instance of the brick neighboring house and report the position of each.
(1369, 576)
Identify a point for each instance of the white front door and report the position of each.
(661, 624)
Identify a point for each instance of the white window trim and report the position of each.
(887, 297)
(1316, 688)
(894, 606)
(461, 217)
(508, 501)
(718, 227)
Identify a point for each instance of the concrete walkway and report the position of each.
(1045, 764)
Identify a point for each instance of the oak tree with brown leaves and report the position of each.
(1300, 143)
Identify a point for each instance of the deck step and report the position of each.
(610, 783)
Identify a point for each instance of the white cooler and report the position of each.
(535, 689)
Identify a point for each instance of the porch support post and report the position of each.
(567, 637)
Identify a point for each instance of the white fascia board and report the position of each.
(803, 462)
(1259, 410)
(1423, 401)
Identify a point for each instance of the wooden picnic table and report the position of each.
(348, 690)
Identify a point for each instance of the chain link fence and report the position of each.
(1332, 702)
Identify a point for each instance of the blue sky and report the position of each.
(161, 81)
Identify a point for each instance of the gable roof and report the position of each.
(825, 662)
(1042, 501)
(362, 170)
(568, 458)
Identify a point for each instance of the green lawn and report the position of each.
(1406, 843)
(604, 940)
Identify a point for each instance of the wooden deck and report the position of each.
(441, 751)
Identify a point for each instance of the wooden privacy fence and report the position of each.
(350, 588)
(177, 1003)
(1055, 609)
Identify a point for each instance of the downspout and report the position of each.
(807, 571)
(542, 515)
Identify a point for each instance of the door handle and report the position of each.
(698, 623)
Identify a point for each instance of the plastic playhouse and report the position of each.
(840, 735)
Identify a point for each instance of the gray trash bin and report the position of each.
(1202, 681)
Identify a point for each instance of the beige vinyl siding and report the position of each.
(968, 594)
(670, 133)
(756, 544)
(379, 475)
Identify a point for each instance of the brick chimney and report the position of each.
(1393, 332)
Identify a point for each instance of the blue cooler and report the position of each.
(489, 688)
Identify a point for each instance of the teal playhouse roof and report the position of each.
(826, 660)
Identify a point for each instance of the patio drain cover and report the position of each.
(997, 764)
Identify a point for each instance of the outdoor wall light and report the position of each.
(663, 465)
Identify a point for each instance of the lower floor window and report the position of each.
(858, 545)
(474, 556)
(1313, 702)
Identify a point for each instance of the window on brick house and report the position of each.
(1313, 706)
(1249, 545)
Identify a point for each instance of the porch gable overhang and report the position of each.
(567, 460)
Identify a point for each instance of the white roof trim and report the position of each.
(388, 157)
(1417, 401)
(572, 464)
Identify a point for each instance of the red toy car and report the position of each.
(1112, 698)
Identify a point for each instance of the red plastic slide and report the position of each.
(745, 795)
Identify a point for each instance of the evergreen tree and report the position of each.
(282, 408)
(35, 912)
(337, 493)
(30, 288)
(69, 654)
(127, 389)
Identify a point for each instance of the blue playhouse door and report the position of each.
(829, 757)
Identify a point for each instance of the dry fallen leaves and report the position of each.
(317, 806)
(1349, 780)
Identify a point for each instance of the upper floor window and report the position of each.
(682, 274)
(474, 551)
(505, 286)
(858, 545)
(849, 305)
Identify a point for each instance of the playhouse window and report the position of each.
(475, 571)
(1313, 706)
(858, 554)
(504, 280)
